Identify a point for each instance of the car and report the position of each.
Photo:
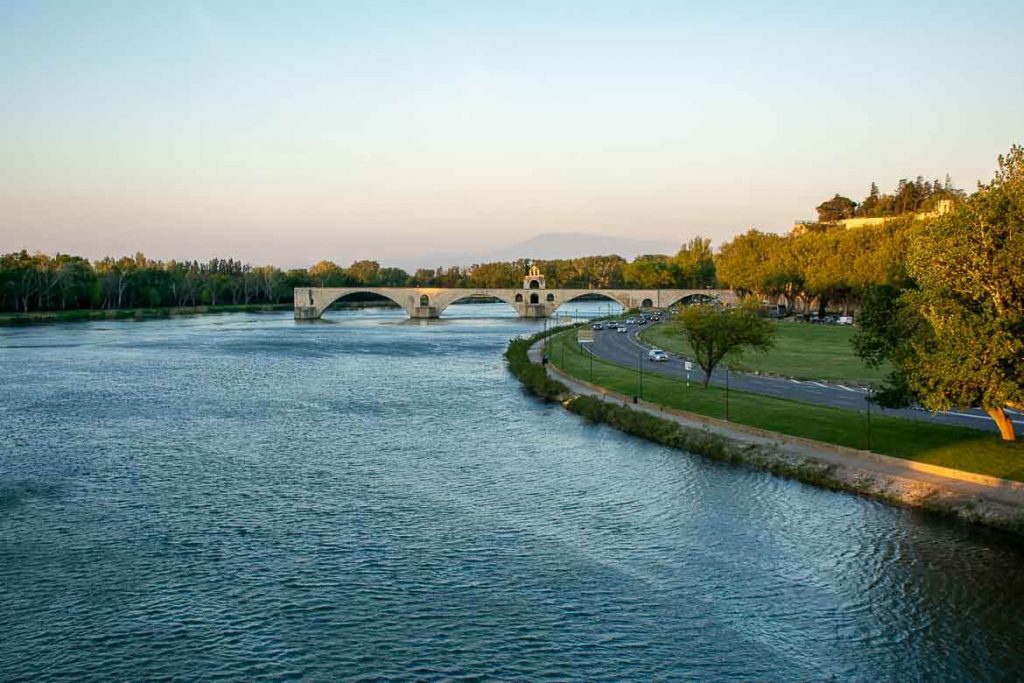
(631, 321)
(845, 320)
(657, 356)
(641, 321)
(597, 326)
(623, 328)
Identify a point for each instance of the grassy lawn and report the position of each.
(960, 448)
(801, 351)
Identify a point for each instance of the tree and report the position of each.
(836, 209)
(714, 333)
(959, 334)
(695, 264)
(364, 272)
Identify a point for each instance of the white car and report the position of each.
(657, 356)
(623, 328)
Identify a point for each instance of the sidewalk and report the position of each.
(909, 481)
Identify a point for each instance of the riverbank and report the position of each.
(981, 499)
(85, 315)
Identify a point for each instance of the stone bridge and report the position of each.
(430, 302)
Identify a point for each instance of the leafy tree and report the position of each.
(836, 209)
(714, 333)
(695, 264)
(957, 339)
(364, 272)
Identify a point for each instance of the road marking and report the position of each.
(796, 381)
(856, 391)
(819, 384)
(978, 417)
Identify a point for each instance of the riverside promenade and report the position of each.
(975, 497)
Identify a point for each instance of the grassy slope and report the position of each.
(801, 351)
(956, 447)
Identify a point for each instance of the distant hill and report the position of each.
(554, 245)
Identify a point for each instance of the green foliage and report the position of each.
(836, 209)
(957, 339)
(532, 375)
(712, 333)
(961, 448)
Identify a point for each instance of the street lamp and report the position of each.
(870, 389)
(726, 393)
(641, 366)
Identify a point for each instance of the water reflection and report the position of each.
(243, 496)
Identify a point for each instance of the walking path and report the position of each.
(908, 481)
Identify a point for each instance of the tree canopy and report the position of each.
(956, 336)
(713, 333)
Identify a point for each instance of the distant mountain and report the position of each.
(554, 245)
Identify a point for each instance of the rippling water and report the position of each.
(244, 497)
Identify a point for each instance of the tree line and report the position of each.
(909, 197)
(825, 267)
(40, 282)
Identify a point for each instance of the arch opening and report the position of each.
(489, 305)
(534, 284)
(424, 300)
(695, 298)
(534, 299)
(519, 298)
(550, 297)
(367, 299)
(646, 303)
(594, 304)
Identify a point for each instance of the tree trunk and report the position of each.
(1006, 429)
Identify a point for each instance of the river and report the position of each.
(244, 497)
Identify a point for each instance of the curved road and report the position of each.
(626, 349)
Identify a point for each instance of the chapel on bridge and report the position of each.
(533, 279)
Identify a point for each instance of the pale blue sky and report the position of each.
(290, 132)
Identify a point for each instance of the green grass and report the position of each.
(801, 351)
(957, 447)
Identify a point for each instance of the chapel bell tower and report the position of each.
(534, 280)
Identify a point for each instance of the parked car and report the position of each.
(845, 320)
(657, 356)
(623, 328)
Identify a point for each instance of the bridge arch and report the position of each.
(689, 298)
(443, 303)
(325, 304)
(592, 293)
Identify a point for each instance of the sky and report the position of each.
(290, 132)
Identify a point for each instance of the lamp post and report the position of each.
(641, 366)
(726, 393)
(870, 388)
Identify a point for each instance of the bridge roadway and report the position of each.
(627, 349)
(532, 302)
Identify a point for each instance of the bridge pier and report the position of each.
(307, 313)
(536, 311)
(425, 312)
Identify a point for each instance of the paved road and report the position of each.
(626, 349)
